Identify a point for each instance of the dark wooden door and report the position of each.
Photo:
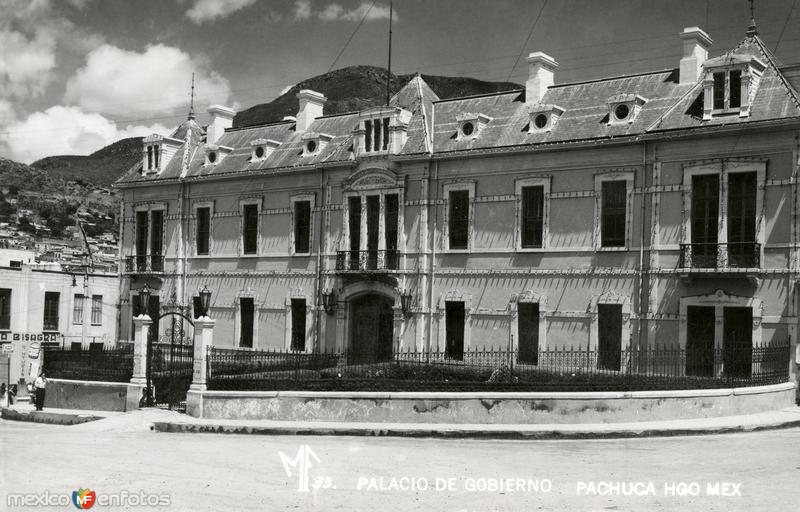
(528, 332)
(372, 327)
(454, 329)
(609, 343)
(737, 338)
(700, 341)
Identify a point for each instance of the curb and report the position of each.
(477, 432)
(50, 418)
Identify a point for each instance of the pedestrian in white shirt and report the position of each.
(39, 386)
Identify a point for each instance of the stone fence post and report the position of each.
(203, 340)
(138, 382)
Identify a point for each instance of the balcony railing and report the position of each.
(359, 261)
(720, 256)
(144, 263)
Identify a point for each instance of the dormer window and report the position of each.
(314, 143)
(153, 154)
(730, 85)
(376, 134)
(381, 130)
(262, 148)
(623, 108)
(470, 125)
(215, 154)
(157, 151)
(543, 117)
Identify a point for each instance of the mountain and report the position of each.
(100, 169)
(347, 89)
(359, 87)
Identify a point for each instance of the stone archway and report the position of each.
(368, 317)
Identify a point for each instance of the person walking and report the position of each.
(39, 386)
(3, 395)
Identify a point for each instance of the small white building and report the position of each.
(44, 303)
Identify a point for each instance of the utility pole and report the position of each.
(87, 262)
(389, 68)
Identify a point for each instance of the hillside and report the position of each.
(101, 168)
(359, 87)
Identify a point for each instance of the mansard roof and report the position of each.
(775, 98)
(433, 128)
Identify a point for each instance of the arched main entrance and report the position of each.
(372, 325)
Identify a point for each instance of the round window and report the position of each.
(540, 121)
(311, 146)
(212, 157)
(621, 112)
(260, 152)
(467, 128)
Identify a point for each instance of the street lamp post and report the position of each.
(144, 306)
(205, 300)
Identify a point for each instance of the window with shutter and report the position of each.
(613, 213)
(298, 324)
(302, 227)
(532, 224)
(203, 230)
(458, 228)
(250, 229)
(50, 321)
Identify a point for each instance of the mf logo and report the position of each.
(300, 465)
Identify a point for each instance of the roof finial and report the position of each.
(752, 30)
(191, 101)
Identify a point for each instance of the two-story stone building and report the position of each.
(637, 211)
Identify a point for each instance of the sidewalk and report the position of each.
(24, 411)
(171, 421)
(785, 418)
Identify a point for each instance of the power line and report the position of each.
(527, 39)
(353, 33)
(780, 36)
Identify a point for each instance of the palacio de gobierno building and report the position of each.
(653, 210)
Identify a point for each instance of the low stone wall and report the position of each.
(490, 408)
(89, 395)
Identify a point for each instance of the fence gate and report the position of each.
(170, 361)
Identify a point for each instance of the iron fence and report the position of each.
(563, 369)
(714, 255)
(109, 364)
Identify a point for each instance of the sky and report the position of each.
(76, 75)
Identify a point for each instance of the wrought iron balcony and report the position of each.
(144, 264)
(720, 256)
(367, 261)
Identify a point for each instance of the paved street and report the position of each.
(239, 472)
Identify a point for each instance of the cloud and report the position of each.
(64, 130)
(117, 81)
(335, 12)
(302, 10)
(210, 10)
(28, 40)
(31, 34)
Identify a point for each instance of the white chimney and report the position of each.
(221, 118)
(542, 67)
(311, 103)
(695, 53)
